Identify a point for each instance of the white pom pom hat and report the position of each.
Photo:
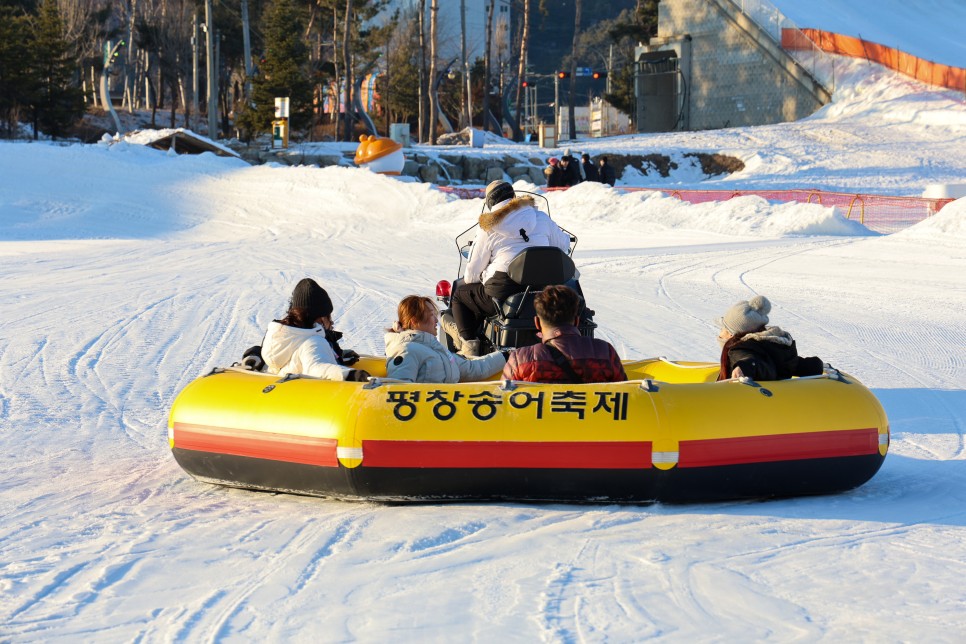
(745, 317)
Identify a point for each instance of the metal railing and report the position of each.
(785, 32)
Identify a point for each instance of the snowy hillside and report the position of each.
(923, 29)
(129, 272)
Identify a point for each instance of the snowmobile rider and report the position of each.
(509, 225)
(414, 354)
(563, 356)
(751, 349)
(304, 342)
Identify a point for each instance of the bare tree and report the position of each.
(573, 71)
(420, 19)
(522, 65)
(347, 64)
(486, 65)
(433, 98)
(465, 85)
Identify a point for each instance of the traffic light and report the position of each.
(524, 84)
(563, 74)
(599, 75)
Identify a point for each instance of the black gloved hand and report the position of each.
(357, 375)
(252, 358)
(349, 357)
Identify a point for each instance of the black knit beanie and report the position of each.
(310, 296)
(498, 192)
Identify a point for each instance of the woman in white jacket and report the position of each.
(414, 354)
(304, 342)
(511, 225)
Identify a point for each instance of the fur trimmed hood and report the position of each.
(489, 220)
(770, 334)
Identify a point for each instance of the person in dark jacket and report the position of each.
(606, 172)
(590, 170)
(553, 173)
(570, 171)
(753, 350)
(563, 356)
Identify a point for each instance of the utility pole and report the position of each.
(212, 80)
(610, 68)
(247, 45)
(195, 109)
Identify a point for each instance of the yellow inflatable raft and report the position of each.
(671, 434)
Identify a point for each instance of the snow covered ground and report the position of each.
(128, 272)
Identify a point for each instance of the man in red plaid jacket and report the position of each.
(563, 356)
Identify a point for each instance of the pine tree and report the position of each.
(57, 102)
(282, 71)
(14, 77)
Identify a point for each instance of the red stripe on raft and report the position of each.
(480, 454)
(309, 450)
(778, 447)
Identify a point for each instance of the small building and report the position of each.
(713, 65)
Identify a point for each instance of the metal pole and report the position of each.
(469, 95)
(556, 104)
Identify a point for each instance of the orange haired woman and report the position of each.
(414, 354)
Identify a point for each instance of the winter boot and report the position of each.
(471, 349)
(448, 324)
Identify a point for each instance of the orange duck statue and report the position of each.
(380, 154)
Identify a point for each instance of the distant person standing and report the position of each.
(607, 173)
(553, 173)
(570, 171)
(590, 170)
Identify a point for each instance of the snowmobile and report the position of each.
(512, 325)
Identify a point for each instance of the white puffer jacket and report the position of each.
(500, 239)
(417, 356)
(289, 349)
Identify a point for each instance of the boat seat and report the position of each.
(533, 269)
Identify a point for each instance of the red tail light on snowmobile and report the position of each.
(442, 289)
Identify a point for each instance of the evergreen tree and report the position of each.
(400, 94)
(14, 78)
(56, 100)
(282, 71)
(629, 29)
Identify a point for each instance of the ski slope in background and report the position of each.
(129, 272)
(923, 29)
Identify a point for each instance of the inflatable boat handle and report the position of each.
(375, 382)
(677, 364)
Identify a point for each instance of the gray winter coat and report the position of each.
(417, 356)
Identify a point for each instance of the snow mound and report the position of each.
(587, 204)
(949, 224)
